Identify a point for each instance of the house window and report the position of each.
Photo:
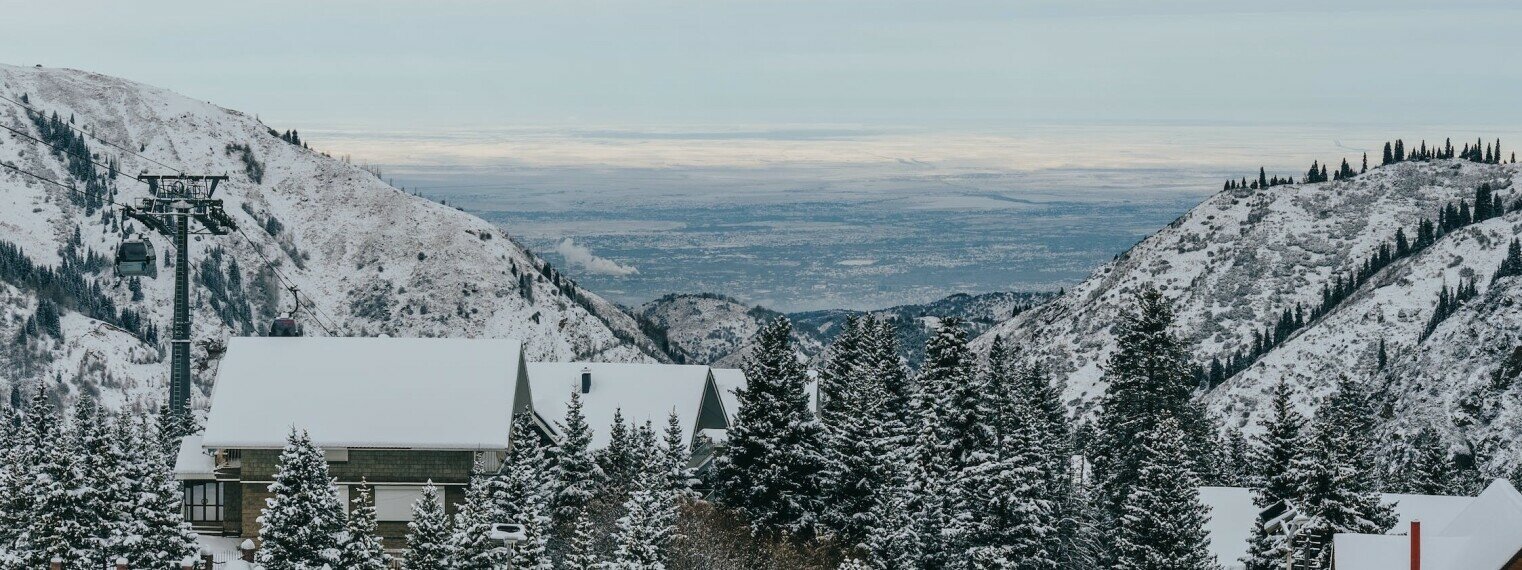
(335, 454)
(203, 502)
(394, 502)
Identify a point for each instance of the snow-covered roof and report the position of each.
(642, 391)
(1232, 514)
(192, 461)
(1493, 524)
(1435, 511)
(1229, 506)
(420, 393)
(1390, 552)
(1485, 535)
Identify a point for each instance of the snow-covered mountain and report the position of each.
(1234, 264)
(715, 329)
(373, 259)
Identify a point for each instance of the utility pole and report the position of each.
(178, 200)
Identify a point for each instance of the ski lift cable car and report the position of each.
(135, 258)
(288, 326)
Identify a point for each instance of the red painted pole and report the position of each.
(1416, 545)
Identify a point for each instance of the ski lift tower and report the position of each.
(177, 202)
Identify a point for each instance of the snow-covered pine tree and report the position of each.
(646, 447)
(1162, 526)
(1338, 490)
(525, 494)
(770, 471)
(1004, 517)
(471, 546)
(954, 399)
(1278, 447)
(1236, 458)
(58, 520)
(303, 524)
(841, 368)
(1426, 467)
(581, 552)
(103, 493)
(643, 533)
(1150, 379)
(575, 472)
(427, 533)
(29, 443)
(156, 534)
(675, 457)
(362, 549)
(619, 460)
(861, 455)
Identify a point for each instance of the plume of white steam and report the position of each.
(580, 256)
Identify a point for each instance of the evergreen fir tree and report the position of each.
(1278, 447)
(573, 467)
(619, 460)
(861, 451)
(362, 549)
(1150, 379)
(1337, 488)
(1427, 467)
(642, 534)
(427, 533)
(581, 553)
(771, 469)
(156, 535)
(302, 525)
(674, 461)
(57, 524)
(1512, 264)
(1264, 551)
(524, 496)
(1163, 521)
(471, 546)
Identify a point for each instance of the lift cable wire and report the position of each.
(94, 136)
(267, 261)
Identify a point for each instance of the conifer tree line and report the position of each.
(88, 489)
(66, 143)
(1482, 152)
(65, 287)
(1453, 216)
(615, 507)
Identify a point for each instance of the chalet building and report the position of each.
(1468, 533)
(1485, 535)
(639, 393)
(398, 413)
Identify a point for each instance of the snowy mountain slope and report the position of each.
(707, 328)
(1234, 263)
(373, 259)
(715, 329)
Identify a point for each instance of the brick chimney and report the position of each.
(1416, 545)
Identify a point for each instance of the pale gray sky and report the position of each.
(941, 65)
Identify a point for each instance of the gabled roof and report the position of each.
(1493, 525)
(1232, 514)
(1485, 535)
(727, 380)
(641, 391)
(419, 393)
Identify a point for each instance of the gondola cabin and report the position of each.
(136, 258)
(286, 326)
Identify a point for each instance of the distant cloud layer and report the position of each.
(580, 256)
